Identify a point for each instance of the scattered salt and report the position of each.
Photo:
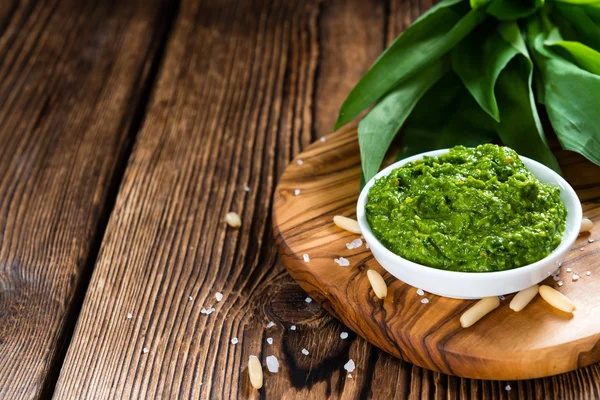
(344, 335)
(355, 244)
(556, 277)
(300, 162)
(575, 277)
(507, 388)
(296, 192)
(425, 300)
(305, 352)
(501, 297)
(420, 292)
(306, 258)
(190, 298)
(342, 262)
(219, 296)
(129, 315)
(308, 300)
(581, 249)
(349, 376)
(145, 350)
(247, 188)
(588, 273)
(270, 340)
(234, 340)
(349, 366)
(590, 240)
(272, 364)
(293, 328)
(322, 139)
(270, 324)
(569, 270)
(209, 311)
(560, 283)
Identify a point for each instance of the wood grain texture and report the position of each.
(542, 342)
(71, 74)
(239, 94)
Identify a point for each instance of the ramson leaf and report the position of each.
(425, 41)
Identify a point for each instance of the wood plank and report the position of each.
(216, 124)
(71, 76)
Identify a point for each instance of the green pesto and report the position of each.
(472, 209)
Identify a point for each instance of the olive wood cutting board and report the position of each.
(536, 342)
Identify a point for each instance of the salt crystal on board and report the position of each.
(145, 350)
(588, 273)
(305, 352)
(296, 192)
(190, 298)
(293, 328)
(349, 366)
(219, 296)
(425, 300)
(507, 388)
(308, 300)
(270, 324)
(272, 364)
(420, 292)
(247, 188)
(342, 262)
(322, 139)
(300, 162)
(234, 340)
(270, 340)
(305, 257)
(129, 315)
(344, 335)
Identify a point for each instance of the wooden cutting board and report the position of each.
(537, 342)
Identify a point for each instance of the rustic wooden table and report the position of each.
(127, 130)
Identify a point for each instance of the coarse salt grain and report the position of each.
(556, 278)
(588, 273)
(272, 364)
(296, 192)
(322, 139)
(581, 249)
(293, 328)
(349, 376)
(425, 300)
(342, 262)
(210, 311)
(129, 315)
(355, 244)
(219, 296)
(420, 292)
(305, 352)
(247, 188)
(349, 366)
(234, 340)
(569, 270)
(300, 162)
(305, 257)
(575, 277)
(190, 298)
(560, 283)
(145, 350)
(507, 388)
(344, 335)
(590, 240)
(270, 324)
(308, 300)
(270, 340)
(501, 297)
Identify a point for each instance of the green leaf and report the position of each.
(571, 97)
(582, 22)
(479, 3)
(430, 37)
(478, 61)
(511, 10)
(582, 55)
(445, 117)
(575, 1)
(377, 130)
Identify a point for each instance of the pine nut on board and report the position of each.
(478, 311)
(346, 223)
(377, 283)
(255, 372)
(556, 299)
(523, 298)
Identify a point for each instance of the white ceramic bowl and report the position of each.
(475, 285)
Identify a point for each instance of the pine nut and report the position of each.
(255, 372)
(586, 225)
(346, 223)
(523, 298)
(233, 220)
(377, 283)
(556, 299)
(478, 311)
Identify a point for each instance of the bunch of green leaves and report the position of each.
(474, 72)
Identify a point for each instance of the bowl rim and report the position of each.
(568, 238)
